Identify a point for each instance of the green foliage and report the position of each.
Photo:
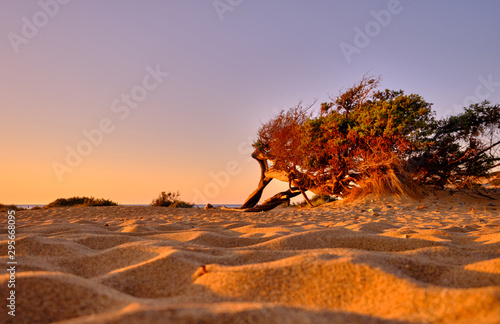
(463, 146)
(80, 202)
(170, 199)
(365, 132)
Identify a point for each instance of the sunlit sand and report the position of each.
(386, 259)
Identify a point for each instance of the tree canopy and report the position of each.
(366, 134)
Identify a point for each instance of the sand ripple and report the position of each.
(323, 265)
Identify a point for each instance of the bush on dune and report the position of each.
(316, 200)
(80, 202)
(170, 199)
(4, 208)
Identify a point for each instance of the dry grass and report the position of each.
(385, 174)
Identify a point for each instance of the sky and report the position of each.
(123, 99)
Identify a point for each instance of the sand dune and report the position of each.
(385, 260)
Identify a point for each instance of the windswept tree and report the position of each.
(373, 140)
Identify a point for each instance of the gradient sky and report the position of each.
(65, 67)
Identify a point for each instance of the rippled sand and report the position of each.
(387, 260)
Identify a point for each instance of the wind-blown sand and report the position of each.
(388, 260)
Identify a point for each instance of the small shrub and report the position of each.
(316, 200)
(321, 199)
(4, 208)
(80, 201)
(99, 202)
(181, 204)
(170, 199)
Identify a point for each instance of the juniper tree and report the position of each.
(366, 133)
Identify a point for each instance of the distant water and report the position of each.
(217, 205)
(28, 206)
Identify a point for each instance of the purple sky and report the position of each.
(202, 76)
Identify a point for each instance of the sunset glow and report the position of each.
(125, 99)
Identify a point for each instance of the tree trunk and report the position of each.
(255, 196)
(266, 175)
(306, 198)
(276, 200)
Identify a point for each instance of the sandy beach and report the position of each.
(434, 260)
